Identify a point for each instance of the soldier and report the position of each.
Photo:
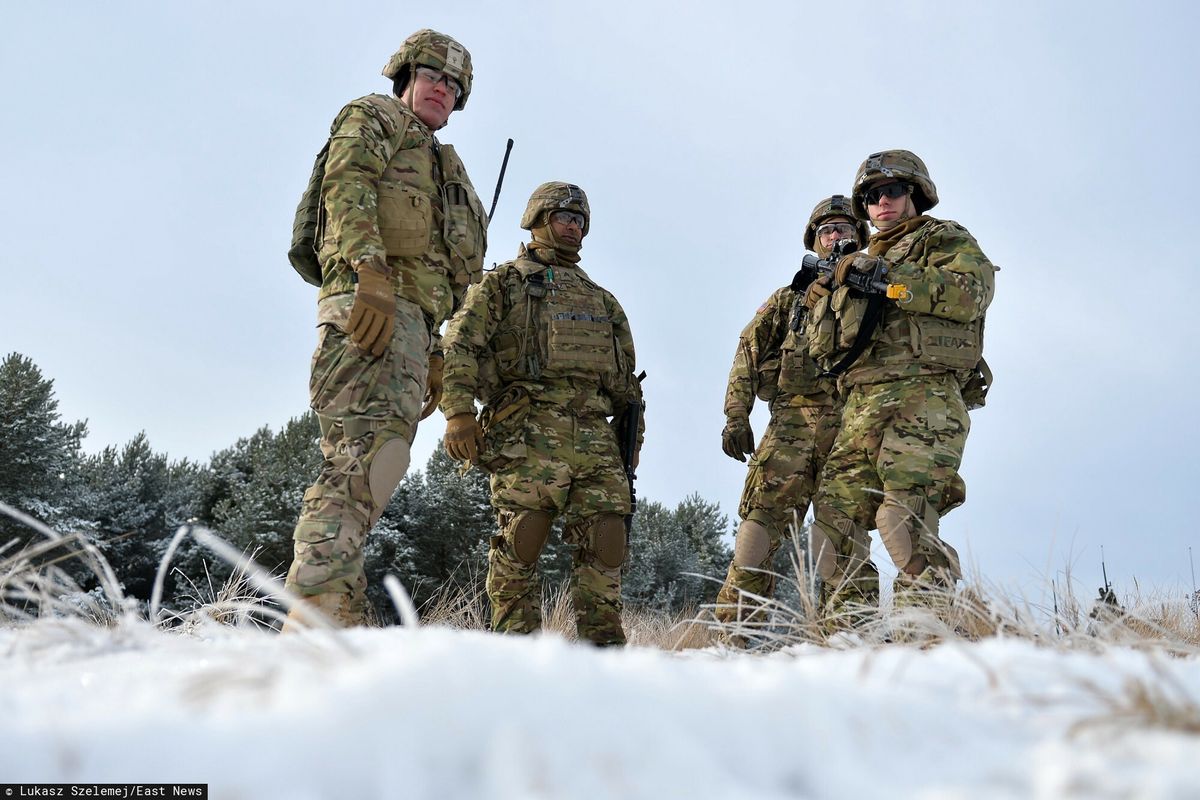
(403, 234)
(911, 377)
(772, 362)
(550, 355)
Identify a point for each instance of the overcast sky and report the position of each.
(155, 153)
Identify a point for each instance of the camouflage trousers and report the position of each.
(782, 478)
(894, 467)
(571, 468)
(368, 409)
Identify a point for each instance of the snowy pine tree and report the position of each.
(39, 454)
(672, 552)
(135, 499)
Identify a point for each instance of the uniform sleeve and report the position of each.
(955, 282)
(358, 153)
(466, 342)
(757, 342)
(630, 387)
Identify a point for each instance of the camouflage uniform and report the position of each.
(394, 199)
(894, 464)
(550, 354)
(772, 362)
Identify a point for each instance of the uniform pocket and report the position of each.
(504, 433)
(340, 375)
(405, 217)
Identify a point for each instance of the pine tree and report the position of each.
(675, 554)
(135, 499)
(449, 525)
(39, 454)
(250, 495)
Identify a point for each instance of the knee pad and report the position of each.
(384, 472)
(529, 531)
(752, 546)
(607, 535)
(906, 520)
(836, 542)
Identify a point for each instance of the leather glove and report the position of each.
(433, 384)
(737, 439)
(374, 311)
(816, 290)
(464, 437)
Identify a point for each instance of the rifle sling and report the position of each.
(871, 318)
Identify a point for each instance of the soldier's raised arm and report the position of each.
(957, 284)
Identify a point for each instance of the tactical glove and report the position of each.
(374, 311)
(816, 290)
(855, 261)
(433, 384)
(464, 437)
(737, 439)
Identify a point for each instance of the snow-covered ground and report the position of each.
(435, 713)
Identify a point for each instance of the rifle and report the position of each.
(627, 429)
(869, 283)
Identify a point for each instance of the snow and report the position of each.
(437, 713)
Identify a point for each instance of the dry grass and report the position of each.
(33, 585)
(1162, 704)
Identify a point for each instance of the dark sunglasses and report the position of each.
(892, 190)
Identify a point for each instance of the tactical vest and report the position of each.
(798, 373)
(555, 327)
(426, 203)
(904, 344)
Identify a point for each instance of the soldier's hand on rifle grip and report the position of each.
(737, 440)
(843, 268)
(856, 262)
(816, 290)
(374, 311)
(433, 385)
(464, 437)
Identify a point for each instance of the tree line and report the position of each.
(433, 535)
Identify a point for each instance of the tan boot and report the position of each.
(334, 606)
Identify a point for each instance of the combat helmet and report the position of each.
(428, 48)
(837, 206)
(900, 164)
(555, 196)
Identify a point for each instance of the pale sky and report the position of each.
(155, 153)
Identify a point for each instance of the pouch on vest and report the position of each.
(306, 227)
(797, 370)
(975, 384)
(851, 311)
(821, 329)
(946, 343)
(405, 220)
(584, 344)
(465, 223)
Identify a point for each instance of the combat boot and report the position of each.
(336, 607)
